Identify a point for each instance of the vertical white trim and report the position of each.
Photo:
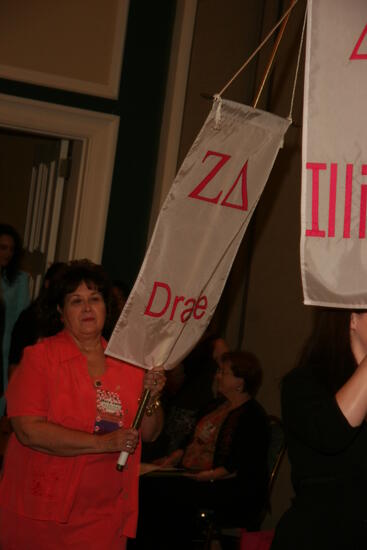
(174, 105)
(58, 183)
(47, 219)
(32, 191)
(41, 206)
(54, 228)
(36, 205)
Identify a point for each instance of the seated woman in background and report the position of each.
(189, 391)
(324, 410)
(226, 464)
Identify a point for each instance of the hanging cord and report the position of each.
(297, 66)
(258, 48)
(218, 112)
(272, 57)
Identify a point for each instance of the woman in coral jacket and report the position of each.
(71, 408)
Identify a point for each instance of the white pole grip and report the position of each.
(136, 423)
(122, 460)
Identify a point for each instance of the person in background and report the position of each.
(324, 410)
(2, 323)
(4, 427)
(190, 388)
(37, 321)
(40, 319)
(71, 408)
(119, 295)
(225, 464)
(15, 290)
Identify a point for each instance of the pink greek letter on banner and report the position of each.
(197, 235)
(334, 191)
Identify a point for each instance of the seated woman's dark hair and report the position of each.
(328, 349)
(11, 270)
(245, 365)
(77, 272)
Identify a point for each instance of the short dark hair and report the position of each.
(12, 269)
(77, 272)
(245, 365)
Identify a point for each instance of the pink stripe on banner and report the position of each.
(332, 199)
(315, 167)
(348, 200)
(362, 219)
(362, 215)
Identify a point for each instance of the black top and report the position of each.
(243, 440)
(242, 447)
(328, 466)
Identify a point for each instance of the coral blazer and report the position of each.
(53, 381)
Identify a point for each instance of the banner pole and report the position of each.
(273, 54)
(285, 15)
(143, 402)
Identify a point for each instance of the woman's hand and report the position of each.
(152, 423)
(119, 440)
(154, 380)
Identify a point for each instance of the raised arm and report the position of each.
(352, 397)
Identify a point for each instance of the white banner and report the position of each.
(197, 235)
(334, 171)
